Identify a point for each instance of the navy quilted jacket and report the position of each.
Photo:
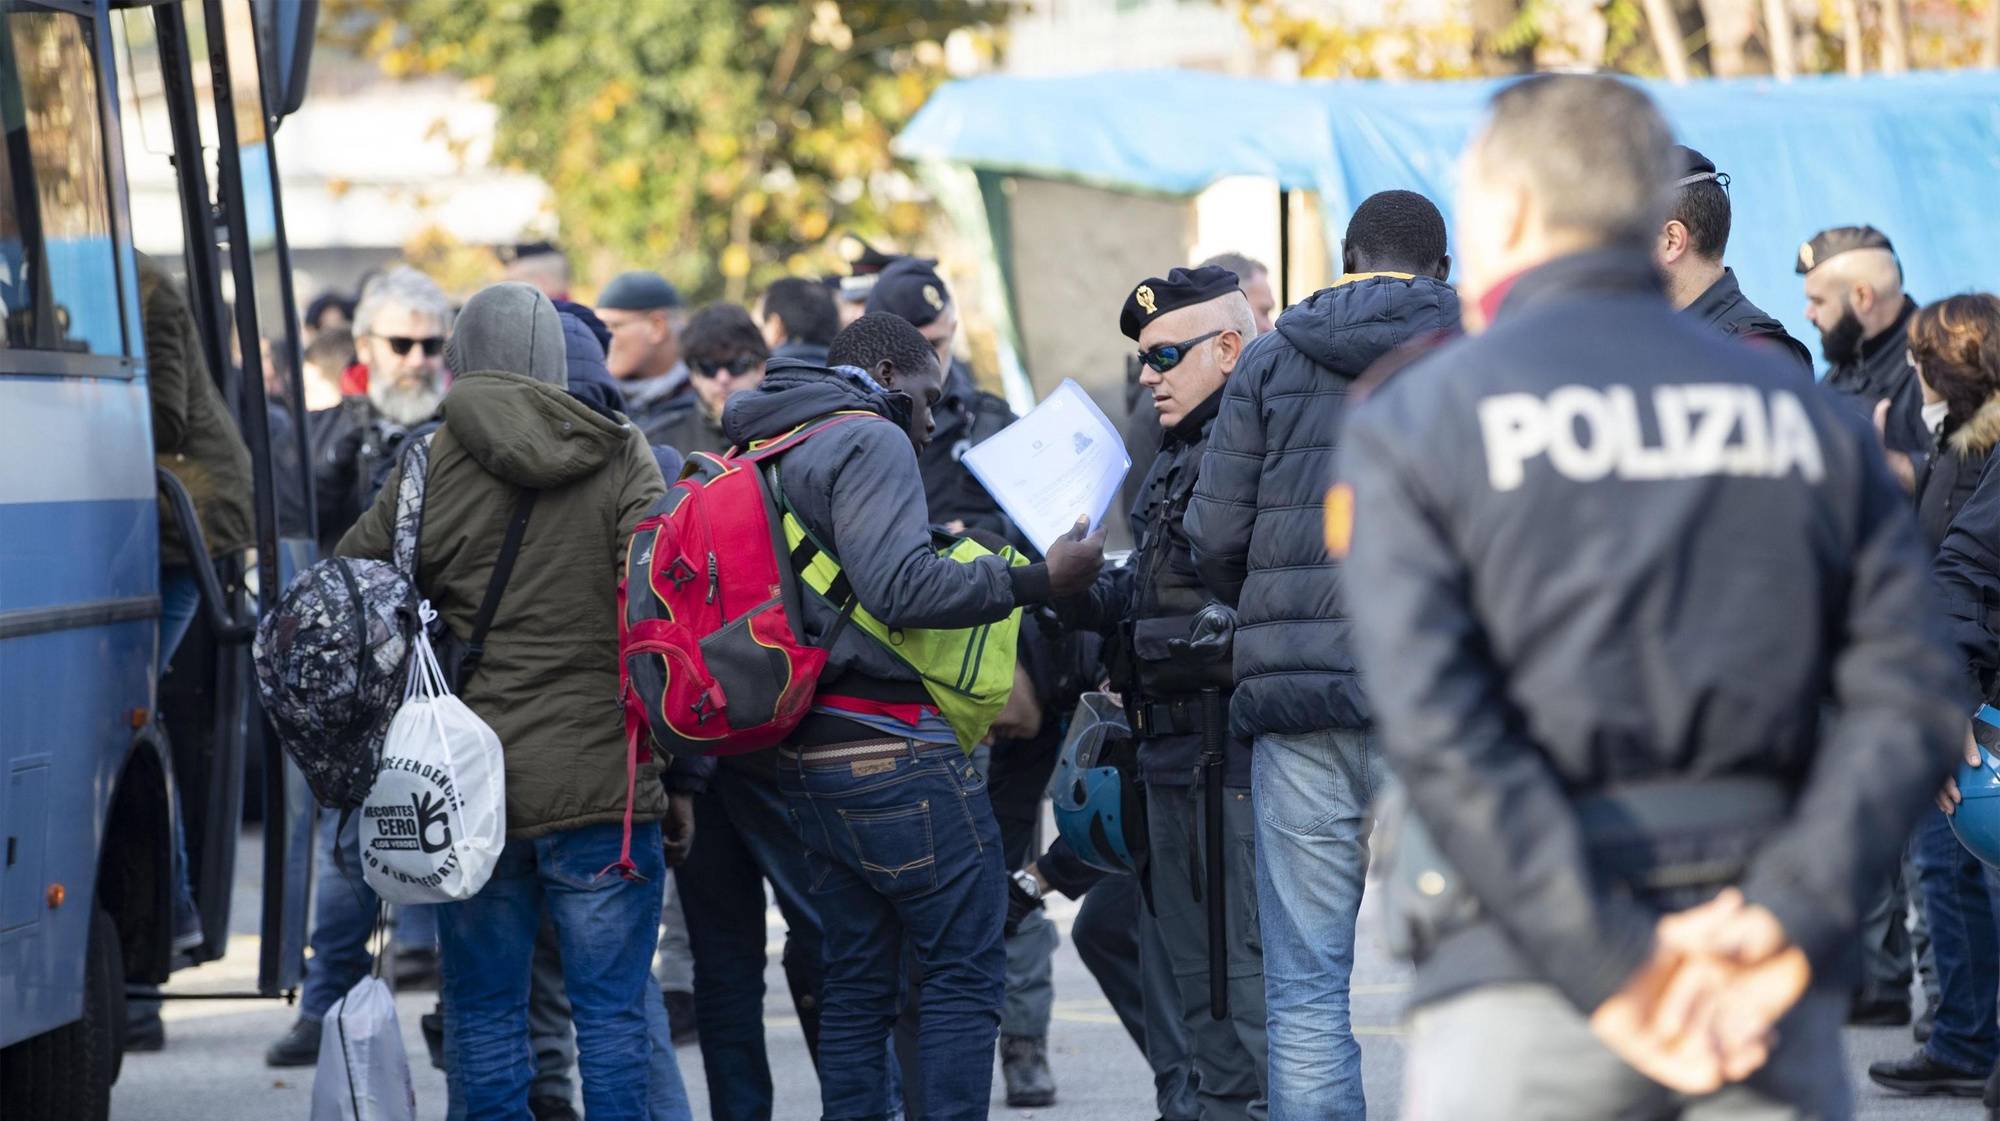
(1256, 519)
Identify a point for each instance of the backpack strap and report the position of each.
(778, 445)
(503, 570)
(410, 504)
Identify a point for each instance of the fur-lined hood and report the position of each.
(1979, 435)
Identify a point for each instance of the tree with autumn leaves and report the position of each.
(724, 142)
(1669, 38)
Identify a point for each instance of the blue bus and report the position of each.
(119, 784)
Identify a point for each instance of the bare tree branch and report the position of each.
(1779, 39)
(1667, 39)
(1850, 33)
(1895, 43)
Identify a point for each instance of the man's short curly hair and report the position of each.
(874, 337)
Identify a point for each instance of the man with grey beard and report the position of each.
(399, 331)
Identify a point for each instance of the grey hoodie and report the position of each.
(513, 328)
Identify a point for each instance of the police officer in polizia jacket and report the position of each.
(1613, 563)
(1689, 252)
(1192, 326)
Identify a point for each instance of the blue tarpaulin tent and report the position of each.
(1916, 155)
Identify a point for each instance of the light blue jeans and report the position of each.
(1312, 794)
(608, 928)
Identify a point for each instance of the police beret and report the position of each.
(1691, 167)
(639, 291)
(910, 288)
(1181, 288)
(1838, 240)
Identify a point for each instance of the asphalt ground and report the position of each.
(212, 1068)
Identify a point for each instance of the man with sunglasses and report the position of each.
(1255, 524)
(1689, 252)
(1191, 327)
(725, 353)
(399, 331)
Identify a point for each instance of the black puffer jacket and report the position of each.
(1949, 477)
(1256, 518)
(965, 416)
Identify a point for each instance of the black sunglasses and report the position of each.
(1166, 356)
(433, 344)
(737, 366)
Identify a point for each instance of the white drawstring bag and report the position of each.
(363, 1073)
(433, 825)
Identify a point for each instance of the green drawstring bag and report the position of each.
(968, 672)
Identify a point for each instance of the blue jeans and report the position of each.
(608, 927)
(1312, 793)
(1958, 895)
(743, 837)
(344, 919)
(904, 850)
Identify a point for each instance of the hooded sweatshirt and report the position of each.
(1256, 518)
(549, 683)
(858, 489)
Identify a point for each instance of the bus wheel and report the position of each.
(66, 1074)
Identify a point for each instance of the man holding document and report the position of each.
(1168, 653)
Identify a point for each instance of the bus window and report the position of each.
(58, 278)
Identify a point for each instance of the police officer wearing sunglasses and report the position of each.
(1167, 652)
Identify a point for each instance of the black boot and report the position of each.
(1922, 1075)
(298, 1047)
(1024, 1061)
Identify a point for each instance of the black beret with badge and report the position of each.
(1156, 296)
(1840, 239)
(910, 288)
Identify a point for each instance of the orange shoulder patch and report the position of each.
(1339, 520)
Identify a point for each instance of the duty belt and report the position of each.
(1173, 716)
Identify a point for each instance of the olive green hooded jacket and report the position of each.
(193, 434)
(548, 685)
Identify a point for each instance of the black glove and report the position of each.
(1019, 903)
(1212, 635)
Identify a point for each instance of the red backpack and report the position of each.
(713, 658)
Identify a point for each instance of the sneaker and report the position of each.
(298, 1048)
(680, 1017)
(1024, 1062)
(1887, 1013)
(145, 1032)
(552, 1109)
(1923, 1075)
(431, 1024)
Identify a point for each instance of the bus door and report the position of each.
(205, 195)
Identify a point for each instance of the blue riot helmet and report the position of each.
(1098, 808)
(1977, 822)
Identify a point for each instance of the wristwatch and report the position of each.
(1028, 885)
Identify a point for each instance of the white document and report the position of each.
(1063, 461)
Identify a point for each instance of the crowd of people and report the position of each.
(1543, 548)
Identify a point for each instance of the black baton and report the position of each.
(1212, 733)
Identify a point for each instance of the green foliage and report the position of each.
(724, 142)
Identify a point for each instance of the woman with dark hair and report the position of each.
(1955, 352)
